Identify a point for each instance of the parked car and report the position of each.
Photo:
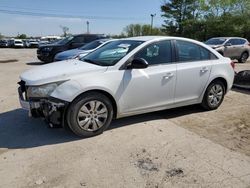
(242, 80)
(49, 39)
(232, 47)
(33, 43)
(123, 78)
(82, 51)
(46, 53)
(16, 43)
(4, 43)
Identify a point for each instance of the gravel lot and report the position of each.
(174, 148)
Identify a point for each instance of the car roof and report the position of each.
(155, 38)
(228, 38)
(104, 39)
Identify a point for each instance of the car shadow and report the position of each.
(17, 130)
(164, 114)
(35, 63)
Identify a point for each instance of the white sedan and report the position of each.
(123, 78)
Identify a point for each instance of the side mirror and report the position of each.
(228, 44)
(138, 63)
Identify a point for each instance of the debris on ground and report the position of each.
(174, 172)
(147, 164)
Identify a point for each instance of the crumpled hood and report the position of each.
(58, 71)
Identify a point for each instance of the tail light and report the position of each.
(232, 64)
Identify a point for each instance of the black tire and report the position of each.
(80, 102)
(243, 58)
(207, 98)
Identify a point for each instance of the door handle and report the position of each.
(168, 76)
(204, 69)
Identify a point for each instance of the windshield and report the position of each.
(111, 53)
(65, 40)
(216, 41)
(91, 45)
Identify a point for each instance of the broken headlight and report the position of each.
(42, 91)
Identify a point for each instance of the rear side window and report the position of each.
(241, 41)
(156, 53)
(188, 51)
(233, 42)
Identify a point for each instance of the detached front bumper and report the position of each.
(51, 109)
(24, 104)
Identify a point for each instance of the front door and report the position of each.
(151, 87)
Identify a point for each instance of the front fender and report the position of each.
(67, 91)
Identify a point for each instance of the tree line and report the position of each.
(199, 19)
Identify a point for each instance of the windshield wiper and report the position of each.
(91, 61)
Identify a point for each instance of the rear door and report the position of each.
(193, 70)
(231, 50)
(240, 47)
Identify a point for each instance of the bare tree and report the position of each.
(65, 30)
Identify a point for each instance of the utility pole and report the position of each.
(152, 22)
(87, 27)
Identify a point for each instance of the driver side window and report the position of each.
(156, 53)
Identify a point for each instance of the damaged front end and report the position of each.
(49, 108)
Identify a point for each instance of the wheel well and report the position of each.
(111, 98)
(222, 80)
(245, 52)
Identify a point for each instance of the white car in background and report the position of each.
(18, 43)
(123, 78)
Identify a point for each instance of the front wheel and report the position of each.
(214, 95)
(243, 57)
(90, 114)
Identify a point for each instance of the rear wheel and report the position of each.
(90, 114)
(214, 95)
(243, 58)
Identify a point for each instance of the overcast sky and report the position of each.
(105, 16)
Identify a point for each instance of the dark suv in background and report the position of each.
(46, 53)
(4, 43)
(232, 47)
